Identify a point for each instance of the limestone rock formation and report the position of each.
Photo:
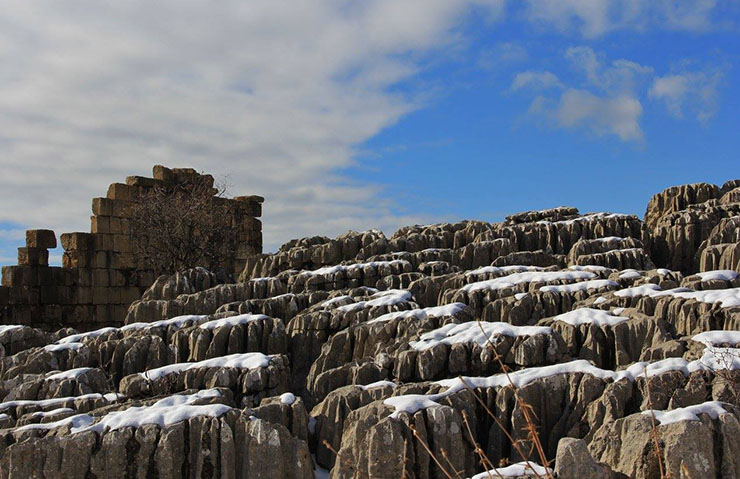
(582, 345)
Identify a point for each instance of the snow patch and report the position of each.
(474, 332)
(382, 298)
(287, 398)
(239, 361)
(420, 314)
(690, 413)
(69, 374)
(233, 321)
(581, 286)
(376, 384)
(597, 317)
(527, 277)
(520, 469)
(720, 274)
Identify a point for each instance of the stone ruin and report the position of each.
(99, 277)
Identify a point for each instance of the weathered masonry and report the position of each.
(99, 276)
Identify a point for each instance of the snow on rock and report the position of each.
(636, 291)
(433, 312)
(520, 469)
(287, 398)
(588, 267)
(69, 374)
(581, 286)
(527, 277)
(712, 338)
(48, 402)
(53, 348)
(598, 317)
(722, 274)
(4, 328)
(502, 269)
(167, 411)
(382, 298)
(233, 321)
(630, 274)
(376, 384)
(478, 332)
(414, 402)
(341, 267)
(726, 298)
(76, 338)
(690, 413)
(239, 361)
(78, 421)
(178, 322)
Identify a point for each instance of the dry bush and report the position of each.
(181, 226)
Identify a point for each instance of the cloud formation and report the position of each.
(594, 18)
(605, 102)
(276, 94)
(692, 91)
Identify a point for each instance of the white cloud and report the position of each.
(276, 94)
(593, 18)
(695, 92)
(620, 76)
(618, 115)
(535, 80)
(606, 103)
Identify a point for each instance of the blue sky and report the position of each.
(363, 115)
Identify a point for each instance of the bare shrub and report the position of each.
(184, 225)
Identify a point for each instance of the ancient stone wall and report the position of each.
(99, 276)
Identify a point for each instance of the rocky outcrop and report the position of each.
(702, 447)
(455, 338)
(677, 198)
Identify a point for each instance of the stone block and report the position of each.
(123, 244)
(41, 239)
(102, 313)
(4, 295)
(123, 261)
(163, 173)
(84, 295)
(52, 314)
(19, 276)
(130, 294)
(100, 278)
(250, 199)
(100, 224)
(102, 259)
(76, 241)
(48, 295)
(103, 242)
(115, 225)
(142, 181)
(77, 259)
(102, 206)
(81, 313)
(66, 295)
(47, 276)
(100, 295)
(121, 191)
(122, 209)
(33, 256)
(83, 277)
(117, 278)
(118, 312)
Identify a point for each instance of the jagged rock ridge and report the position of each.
(324, 354)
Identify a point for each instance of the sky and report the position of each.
(365, 114)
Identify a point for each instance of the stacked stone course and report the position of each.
(99, 276)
